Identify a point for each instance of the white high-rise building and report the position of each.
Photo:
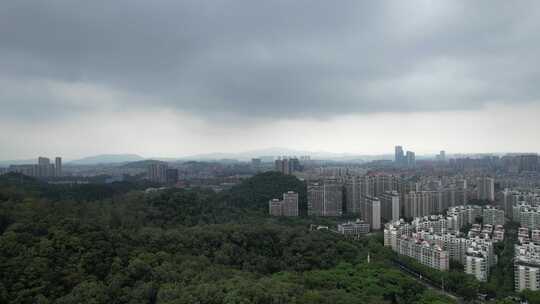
(527, 267)
(477, 260)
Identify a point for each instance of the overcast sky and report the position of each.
(174, 78)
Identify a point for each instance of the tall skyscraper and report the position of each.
(411, 159)
(58, 166)
(44, 166)
(398, 155)
(441, 157)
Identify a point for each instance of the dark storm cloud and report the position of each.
(269, 58)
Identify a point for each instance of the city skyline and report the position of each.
(193, 77)
(265, 153)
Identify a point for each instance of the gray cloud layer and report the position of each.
(267, 58)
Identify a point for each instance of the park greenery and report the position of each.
(116, 243)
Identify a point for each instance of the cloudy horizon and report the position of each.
(177, 78)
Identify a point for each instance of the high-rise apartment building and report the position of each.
(44, 167)
(286, 207)
(315, 195)
(325, 198)
(510, 198)
(390, 206)
(421, 203)
(411, 159)
(171, 176)
(477, 261)
(353, 194)
(431, 255)
(287, 165)
(333, 197)
(527, 267)
(486, 188)
(492, 216)
(399, 157)
(290, 203)
(58, 166)
(275, 207)
(528, 162)
(157, 173)
(442, 156)
(371, 212)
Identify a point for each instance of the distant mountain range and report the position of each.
(7, 163)
(273, 152)
(106, 159)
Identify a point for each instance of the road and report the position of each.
(427, 282)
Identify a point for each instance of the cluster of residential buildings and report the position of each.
(287, 165)
(437, 239)
(288, 206)
(380, 198)
(160, 173)
(525, 206)
(43, 169)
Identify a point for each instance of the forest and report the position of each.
(117, 244)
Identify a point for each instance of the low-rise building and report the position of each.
(428, 254)
(354, 229)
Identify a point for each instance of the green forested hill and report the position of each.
(60, 245)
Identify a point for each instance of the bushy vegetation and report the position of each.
(116, 244)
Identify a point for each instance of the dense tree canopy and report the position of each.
(116, 244)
